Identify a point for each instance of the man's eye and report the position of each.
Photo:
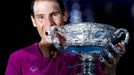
(40, 17)
(55, 14)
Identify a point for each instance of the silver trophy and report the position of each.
(89, 40)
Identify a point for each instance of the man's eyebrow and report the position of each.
(37, 15)
(56, 12)
(41, 14)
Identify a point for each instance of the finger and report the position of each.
(120, 49)
(112, 58)
(108, 54)
(61, 39)
(104, 61)
(109, 57)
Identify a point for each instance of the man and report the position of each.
(42, 58)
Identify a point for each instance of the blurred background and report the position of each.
(17, 30)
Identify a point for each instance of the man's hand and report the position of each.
(111, 59)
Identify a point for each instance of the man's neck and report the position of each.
(48, 50)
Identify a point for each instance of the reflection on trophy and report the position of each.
(88, 40)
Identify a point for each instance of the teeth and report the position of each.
(49, 36)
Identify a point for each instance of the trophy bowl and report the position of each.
(87, 39)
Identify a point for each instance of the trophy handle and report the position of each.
(120, 32)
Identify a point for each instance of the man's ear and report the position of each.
(33, 21)
(65, 16)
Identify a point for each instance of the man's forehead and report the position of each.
(45, 0)
(46, 7)
(45, 3)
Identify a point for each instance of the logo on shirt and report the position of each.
(34, 69)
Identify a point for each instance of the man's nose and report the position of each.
(50, 21)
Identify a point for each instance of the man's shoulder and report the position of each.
(25, 50)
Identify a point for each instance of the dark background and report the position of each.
(17, 30)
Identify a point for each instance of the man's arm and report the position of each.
(13, 66)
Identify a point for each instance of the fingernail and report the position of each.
(102, 59)
(109, 55)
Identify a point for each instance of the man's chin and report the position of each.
(49, 43)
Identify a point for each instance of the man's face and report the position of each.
(46, 14)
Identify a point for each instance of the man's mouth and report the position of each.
(48, 33)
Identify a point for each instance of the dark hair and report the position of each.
(60, 3)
